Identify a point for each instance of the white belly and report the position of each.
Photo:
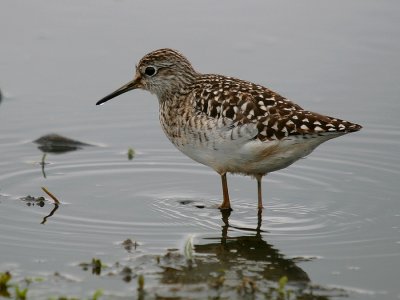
(235, 149)
(254, 156)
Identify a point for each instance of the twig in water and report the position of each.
(51, 195)
(50, 214)
(43, 163)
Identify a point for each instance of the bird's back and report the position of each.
(245, 102)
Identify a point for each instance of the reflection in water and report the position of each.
(50, 214)
(246, 264)
(243, 267)
(231, 251)
(43, 164)
(41, 202)
(54, 143)
(57, 144)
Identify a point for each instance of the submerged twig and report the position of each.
(50, 214)
(57, 202)
(43, 163)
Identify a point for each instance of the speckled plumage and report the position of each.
(229, 124)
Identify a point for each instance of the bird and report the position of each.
(231, 125)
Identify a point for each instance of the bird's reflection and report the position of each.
(233, 251)
(245, 261)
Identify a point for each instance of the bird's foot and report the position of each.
(225, 207)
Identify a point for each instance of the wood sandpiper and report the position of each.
(228, 124)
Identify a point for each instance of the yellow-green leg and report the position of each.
(259, 190)
(226, 204)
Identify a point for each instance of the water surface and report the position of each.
(331, 221)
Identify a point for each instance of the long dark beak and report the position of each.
(123, 89)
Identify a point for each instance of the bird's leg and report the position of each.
(226, 204)
(259, 188)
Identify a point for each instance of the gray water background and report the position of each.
(340, 206)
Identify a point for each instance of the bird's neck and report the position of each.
(178, 86)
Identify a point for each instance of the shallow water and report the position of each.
(331, 221)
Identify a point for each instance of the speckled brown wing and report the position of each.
(276, 117)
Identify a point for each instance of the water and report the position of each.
(332, 220)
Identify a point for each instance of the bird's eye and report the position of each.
(150, 71)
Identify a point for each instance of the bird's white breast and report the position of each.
(244, 154)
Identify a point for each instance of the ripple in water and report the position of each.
(162, 195)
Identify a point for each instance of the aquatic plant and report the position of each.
(131, 153)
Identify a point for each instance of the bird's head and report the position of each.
(161, 72)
